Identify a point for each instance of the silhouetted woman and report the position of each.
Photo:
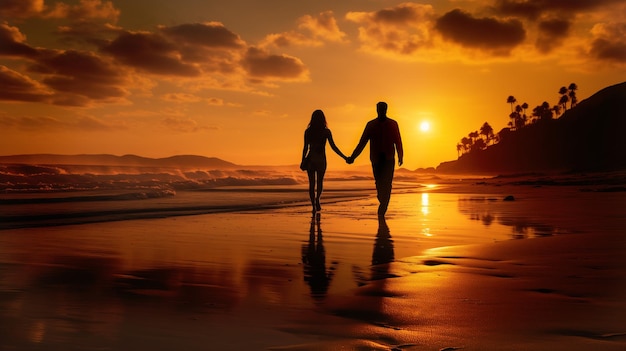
(314, 155)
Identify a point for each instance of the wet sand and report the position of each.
(452, 267)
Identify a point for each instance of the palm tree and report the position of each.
(546, 111)
(543, 112)
(572, 94)
(520, 120)
(480, 144)
(459, 147)
(467, 143)
(564, 98)
(511, 100)
(514, 116)
(487, 131)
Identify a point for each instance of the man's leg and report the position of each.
(383, 175)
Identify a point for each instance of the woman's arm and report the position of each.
(305, 148)
(334, 147)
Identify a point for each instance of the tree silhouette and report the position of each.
(572, 94)
(543, 112)
(517, 120)
(564, 98)
(514, 116)
(487, 131)
(511, 100)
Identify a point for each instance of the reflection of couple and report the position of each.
(314, 259)
(383, 135)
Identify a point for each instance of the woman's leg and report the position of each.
(311, 174)
(320, 188)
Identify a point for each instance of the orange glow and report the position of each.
(245, 93)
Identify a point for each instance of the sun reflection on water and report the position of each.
(425, 204)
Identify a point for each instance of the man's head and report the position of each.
(381, 108)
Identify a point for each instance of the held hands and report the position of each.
(350, 160)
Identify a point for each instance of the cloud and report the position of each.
(85, 10)
(260, 64)
(210, 46)
(81, 73)
(199, 50)
(323, 26)
(400, 30)
(191, 98)
(312, 31)
(18, 87)
(609, 43)
(184, 124)
(20, 8)
(13, 42)
(150, 52)
(53, 124)
(551, 34)
(489, 34)
(534, 9)
(210, 34)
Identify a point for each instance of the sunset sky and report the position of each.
(239, 79)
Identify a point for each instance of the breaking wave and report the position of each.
(151, 181)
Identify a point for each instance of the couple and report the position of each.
(384, 137)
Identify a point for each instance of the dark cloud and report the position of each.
(12, 43)
(213, 35)
(533, 9)
(263, 65)
(72, 77)
(150, 52)
(551, 34)
(401, 14)
(18, 87)
(81, 73)
(488, 34)
(211, 47)
(609, 43)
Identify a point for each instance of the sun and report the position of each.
(425, 126)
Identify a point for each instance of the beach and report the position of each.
(452, 266)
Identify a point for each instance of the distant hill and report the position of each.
(589, 137)
(180, 161)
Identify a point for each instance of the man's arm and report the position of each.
(362, 142)
(399, 148)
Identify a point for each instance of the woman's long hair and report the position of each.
(318, 121)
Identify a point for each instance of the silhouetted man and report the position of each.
(383, 135)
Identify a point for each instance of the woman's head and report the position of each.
(318, 120)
